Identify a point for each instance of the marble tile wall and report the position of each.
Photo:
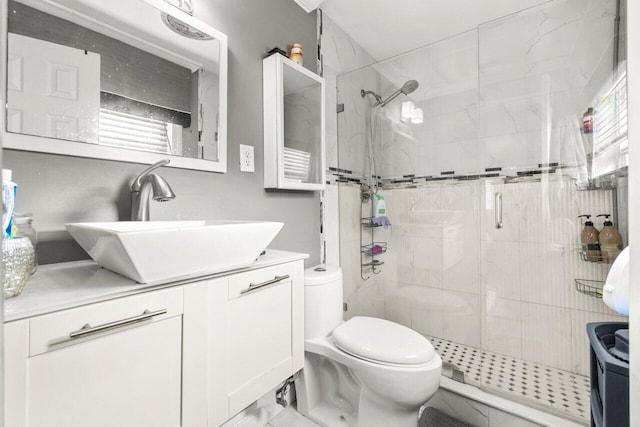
(539, 70)
(339, 54)
(353, 131)
(447, 74)
(509, 93)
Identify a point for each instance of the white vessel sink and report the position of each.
(164, 251)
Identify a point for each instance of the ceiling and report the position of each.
(386, 28)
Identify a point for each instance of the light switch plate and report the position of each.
(246, 159)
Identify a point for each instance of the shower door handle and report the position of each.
(498, 210)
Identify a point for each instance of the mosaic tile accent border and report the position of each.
(512, 174)
(560, 392)
(335, 175)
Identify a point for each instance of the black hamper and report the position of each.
(609, 374)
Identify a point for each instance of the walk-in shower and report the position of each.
(503, 108)
(407, 88)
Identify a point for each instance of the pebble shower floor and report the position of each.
(562, 392)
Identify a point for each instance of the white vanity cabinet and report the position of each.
(189, 354)
(265, 331)
(116, 363)
(248, 331)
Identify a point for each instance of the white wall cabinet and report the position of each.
(191, 355)
(294, 126)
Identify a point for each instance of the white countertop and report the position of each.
(66, 285)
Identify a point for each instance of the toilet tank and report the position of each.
(322, 300)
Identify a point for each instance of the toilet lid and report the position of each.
(383, 341)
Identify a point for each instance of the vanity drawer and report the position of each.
(254, 281)
(52, 331)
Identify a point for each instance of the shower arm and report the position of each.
(393, 96)
(409, 87)
(378, 98)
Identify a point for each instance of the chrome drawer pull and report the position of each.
(254, 286)
(87, 329)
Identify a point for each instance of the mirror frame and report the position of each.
(274, 75)
(23, 142)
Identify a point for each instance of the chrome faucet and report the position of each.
(145, 185)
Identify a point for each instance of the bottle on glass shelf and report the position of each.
(587, 121)
(610, 240)
(589, 240)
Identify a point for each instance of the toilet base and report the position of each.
(371, 412)
(329, 416)
(338, 405)
(329, 394)
(374, 412)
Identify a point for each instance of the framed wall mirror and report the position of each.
(128, 80)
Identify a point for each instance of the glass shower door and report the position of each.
(542, 73)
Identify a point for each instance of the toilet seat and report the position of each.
(382, 341)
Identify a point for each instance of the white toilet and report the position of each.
(364, 372)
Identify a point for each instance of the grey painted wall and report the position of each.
(59, 189)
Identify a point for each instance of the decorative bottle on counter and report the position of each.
(296, 53)
(610, 240)
(24, 228)
(589, 240)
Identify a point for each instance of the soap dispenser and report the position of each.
(610, 240)
(589, 240)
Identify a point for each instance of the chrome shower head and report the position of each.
(407, 88)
